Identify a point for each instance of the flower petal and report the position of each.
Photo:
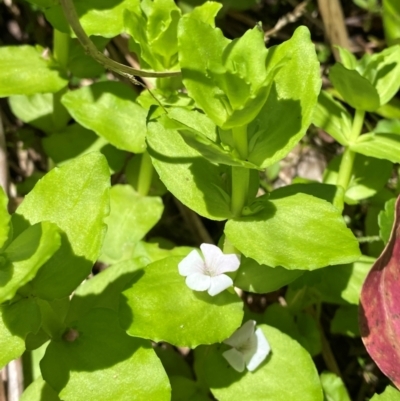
(242, 335)
(228, 263)
(192, 263)
(219, 284)
(198, 282)
(262, 350)
(235, 359)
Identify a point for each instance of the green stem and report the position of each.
(240, 175)
(145, 174)
(346, 165)
(91, 49)
(61, 42)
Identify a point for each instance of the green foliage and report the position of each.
(334, 388)
(390, 394)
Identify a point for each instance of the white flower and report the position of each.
(207, 274)
(250, 347)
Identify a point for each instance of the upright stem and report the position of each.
(145, 174)
(346, 165)
(61, 42)
(240, 175)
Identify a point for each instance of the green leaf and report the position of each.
(184, 389)
(193, 180)
(341, 284)
(4, 218)
(75, 141)
(390, 394)
(347, 58)
(173, 362)
(383, 71)
(206, 12)
(345, 321)
(381, 146)
(333, 118)
(356, 90)
(386, 219)
(38, 110)
(108, 108)
(131, 218)
(292, 98)
(300, 326)
(156, 294)
(262, 279)
(24, 71)
(296, 232)
(14, 329)
(104, 290)
(391, 19)
(388, 127)
(102, 350)
(75, 197)
(334, 388)
(287, 374)
(98, 17)
(25, 255)
(368, 176)
(39, 390)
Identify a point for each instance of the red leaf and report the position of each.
(379, 314)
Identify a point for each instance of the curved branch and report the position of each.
(90, 48)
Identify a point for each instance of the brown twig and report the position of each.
(3, 159)
(15, 380)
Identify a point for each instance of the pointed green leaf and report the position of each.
(75, 197)
(104, 363)
(16, 321)
(38, 110)
(288, 373)
(98, 17)
(131, 217)
(25, 255)
(381, 146)
(206, 12)
(25, 71)
(262, 279)
(356, 90)
(292, 98)
(154, 296)
(333, 118)
(193, 180)
(347, 58)
(4, 218)
(296, 232)
(108, 108)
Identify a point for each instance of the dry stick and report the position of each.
(91, 49)
(291, 17)
(15, 380)
(2, 389)
(3, 159)
(194, 222)
(335, 27)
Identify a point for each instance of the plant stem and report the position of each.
(145, 174)
(61, 42)
(346, 165)
(240, 175)
(90, 48)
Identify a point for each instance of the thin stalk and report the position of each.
(61, 42)
(145, 174)
(346, 165)
(240, 175)
(91, 49)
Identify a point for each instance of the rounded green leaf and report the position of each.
(4, 218)
(193, 180)
(104, 363)
(25, 255)
(288, 373)
(262, 279)
(390, 394)
(25, 71)
(98, 17)
(162, 292)
(131, 217)
(356, 90)
(108, 108)
(39, 390)
(296, 232)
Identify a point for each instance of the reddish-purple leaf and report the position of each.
(380, 307)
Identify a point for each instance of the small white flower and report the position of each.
(250, 347)
(207, 274)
